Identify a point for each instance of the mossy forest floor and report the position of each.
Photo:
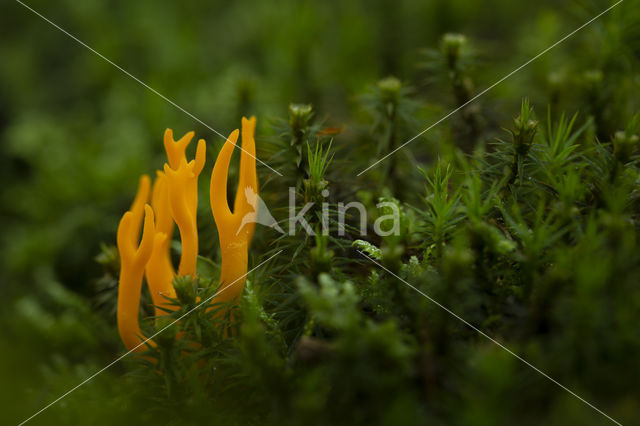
(508, 292)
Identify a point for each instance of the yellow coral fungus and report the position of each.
(183, 199)
(132, 264)
(234, 233)
(182, 182)
(174, 198)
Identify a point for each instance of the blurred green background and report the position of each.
(76, 133)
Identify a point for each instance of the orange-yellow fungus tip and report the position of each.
(176, 150)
